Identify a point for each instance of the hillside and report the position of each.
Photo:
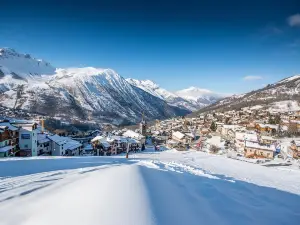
(191, 98)
(75, 93)
(284, 91)
(150, 188)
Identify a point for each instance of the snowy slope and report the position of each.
(191, 98)
(282, 92)
(75, 93)
(148, 188)
(23, 65)
(202, 97)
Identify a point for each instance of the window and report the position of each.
(25, 136)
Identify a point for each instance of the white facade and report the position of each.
(64, 146)
(28, 139)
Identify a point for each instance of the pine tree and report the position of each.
(213, 126)
(277, 119)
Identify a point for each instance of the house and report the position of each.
(8, 139)
(118, 144)
(266, 128)
(267, 140)
(28, 139)
(178, 136)
(101, 145)
(137, 136)
(64, 146)
(182, 138)
(257, 150)
(43, 144)
(242, 137)
(295, 149)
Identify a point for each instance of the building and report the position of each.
(295, 149)
(43, 145)
(143, 127)
(64, 146)
(8, 139)
(257, 150)
(28, 139)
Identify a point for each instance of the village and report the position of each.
(245, 134)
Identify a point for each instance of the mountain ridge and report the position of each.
(75, 93)
(287, 89)
(178, 98)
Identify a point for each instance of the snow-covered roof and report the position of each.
(6, 148)
(273, 126)
(97, 138)
(8, 126)
(116, 138)
(56, 138)
(178, 135)
(105, 144)
(132, 134)
(256, 145)
(233, 127)
(133, 141)
(267, 138)
(42, 138)
(246, 136)
(172, 142)
(68, 143)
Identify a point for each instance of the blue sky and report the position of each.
(226, 46)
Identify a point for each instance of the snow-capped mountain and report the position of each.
(272, 96)
(23, 65)
(75, 93)
(202, 97)
(191, 98)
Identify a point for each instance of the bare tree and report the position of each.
(292, 128)
(213, 149)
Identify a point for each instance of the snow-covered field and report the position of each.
(172, 188)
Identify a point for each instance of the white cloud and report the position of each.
(294, 20)
(253, 78)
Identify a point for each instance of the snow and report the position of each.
(289, 79)
(132, 134)
(191, 98)
(258, 146)
(97, 138)
(8, 125)
(6, 148)
(149, 188)
(178, 135)
(23, 65)
(194, 93)
(42, 138)
(284, 106)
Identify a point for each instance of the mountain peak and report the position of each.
(8, 52)
(23, 65)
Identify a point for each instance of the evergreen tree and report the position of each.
(213, 126)
(277, 119)
(271, 120)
